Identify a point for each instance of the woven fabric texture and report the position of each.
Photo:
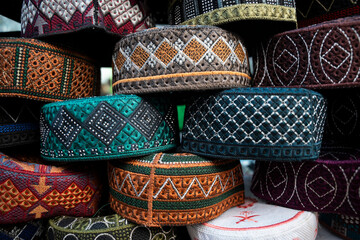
(37, 70)
(327, 185)
(256, 123)
(179, 58)
(325, 55)
(342, 125)
(258, 220)
(174, 189)
(104, 228)
(19, 122)
(32, 230)
(106, 127)
(48, 17)
(214, 12)
(312, 12)
(32, 191)
(346, 227)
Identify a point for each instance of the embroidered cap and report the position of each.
(343, 110)
(48, 17)
(30, 190)
(109, 227)
(346, 227)
(37, 70)
(215, 12)
(174, 189)
(256, 123)
(178, 58)
(327, 185)
(19, 122)
(32, 230)
(258, 220)
(313, 12)
(106, 127)
(325, 55)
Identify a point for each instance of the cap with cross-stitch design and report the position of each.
(180, 58)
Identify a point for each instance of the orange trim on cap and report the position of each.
(182, 75)
(157, 157)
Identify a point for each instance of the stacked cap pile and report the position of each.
(158, 178)
(278, 122)
(322, 57)
(57, 62)
(225, 120)
(35, 72)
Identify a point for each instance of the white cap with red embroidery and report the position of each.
(257, 220)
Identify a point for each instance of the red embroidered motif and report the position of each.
(246, 217)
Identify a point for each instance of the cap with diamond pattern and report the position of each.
(313, 12)
(216, 12)
(325, 55)
(346, 227)
(44, 17)
(174, 189)
(41, 71)
(256, 123)
(180, 58)
(109, 227)
(258, 220)
(31, 190)
(327, 185)
(107, 127)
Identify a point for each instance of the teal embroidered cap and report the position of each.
(104, 228)
(282, 124)
(107, 127)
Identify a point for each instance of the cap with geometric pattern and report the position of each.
(346, 227)
(109, 227)
(41, 71)
(107, 127)
(325, 55)
(342, 125)
(327, 185)
(19, 122)
(284, 124)
(313, 12)
(180, 58)
(215, 12)
(43, 17)
(258, 220)
(174, 189)
(31, 230)
(31, 190)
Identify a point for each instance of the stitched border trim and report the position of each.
(274, 153)
(105, 227)
(179, 82)
(18, 138)
(244, 12)
(190, 74)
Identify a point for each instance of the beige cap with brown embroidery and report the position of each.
(180, 58)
